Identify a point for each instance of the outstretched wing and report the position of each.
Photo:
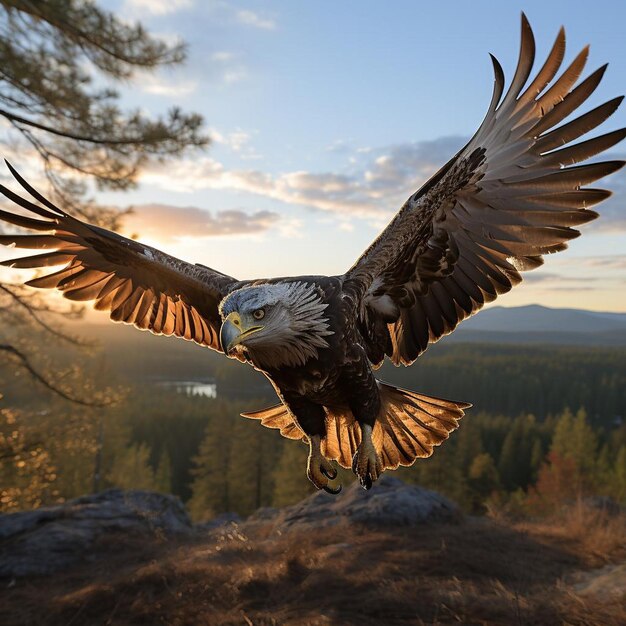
(511, 195)
(137, 284)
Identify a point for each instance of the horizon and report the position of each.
(100, 317)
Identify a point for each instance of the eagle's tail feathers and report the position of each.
(278, 417)
(410, 425)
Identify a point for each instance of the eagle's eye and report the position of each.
(259, 314)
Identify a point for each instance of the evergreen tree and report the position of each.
(575, 439)
(246, 469)
(556, 484)
(603, 472)
(514, 464)
(483, 480)
(537, 456)
(562, 431)
(210, 493)
(131, 469)
(469, 444)
(252, 465)
(440, 473)
(56, 56)
(163, 474)
(619, 472)
(291, 485)
(160, 416)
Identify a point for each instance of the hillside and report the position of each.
(332, 567)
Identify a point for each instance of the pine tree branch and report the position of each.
(93, 39)
(28, 293)
(31, 312)
(25, 363)
(59, 133)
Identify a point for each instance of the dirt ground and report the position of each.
(475, 572)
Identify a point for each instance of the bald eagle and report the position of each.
(512, 194)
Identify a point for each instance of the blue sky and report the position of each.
(326, 115)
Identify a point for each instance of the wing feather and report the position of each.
(515, 192)
(136, 284)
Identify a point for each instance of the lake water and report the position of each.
(192, 387)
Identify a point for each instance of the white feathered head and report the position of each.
(276, 324)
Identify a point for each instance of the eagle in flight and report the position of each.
(514, 193)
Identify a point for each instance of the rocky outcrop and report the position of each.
(52, 538)
(389, 503)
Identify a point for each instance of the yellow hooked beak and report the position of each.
(233, 332)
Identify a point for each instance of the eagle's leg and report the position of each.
(320, 470)
(311, 418)
(365, 406)
(367, 464)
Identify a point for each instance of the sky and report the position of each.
(325, 116)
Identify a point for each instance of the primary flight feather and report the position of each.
(513, 194)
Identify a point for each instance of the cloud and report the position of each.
(164, 86)
(409, 164)
(238, 141)
(579, 273)
(612, 211)
(341, 146)
(613, 262)
(155, 7)
(575, 289)
(374, 187)
(234, 75)
(165, 222)
(550, 282)
(551, 277)
(228, 67)
(250, 18)
(222, 56)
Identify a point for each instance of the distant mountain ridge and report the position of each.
(540, 325)
(537, 318)
(532, 324)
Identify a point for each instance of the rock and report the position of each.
(217, 521)
(263, 514)
(390, 502)
(51, 538)
(605, 583)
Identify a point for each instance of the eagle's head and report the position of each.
(275, 325)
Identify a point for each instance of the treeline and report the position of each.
(500, 379)
(524, 464)
(201, 450)
(490, 462)
(511, 380)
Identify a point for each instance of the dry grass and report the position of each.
(595, 534)
(477, 572)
